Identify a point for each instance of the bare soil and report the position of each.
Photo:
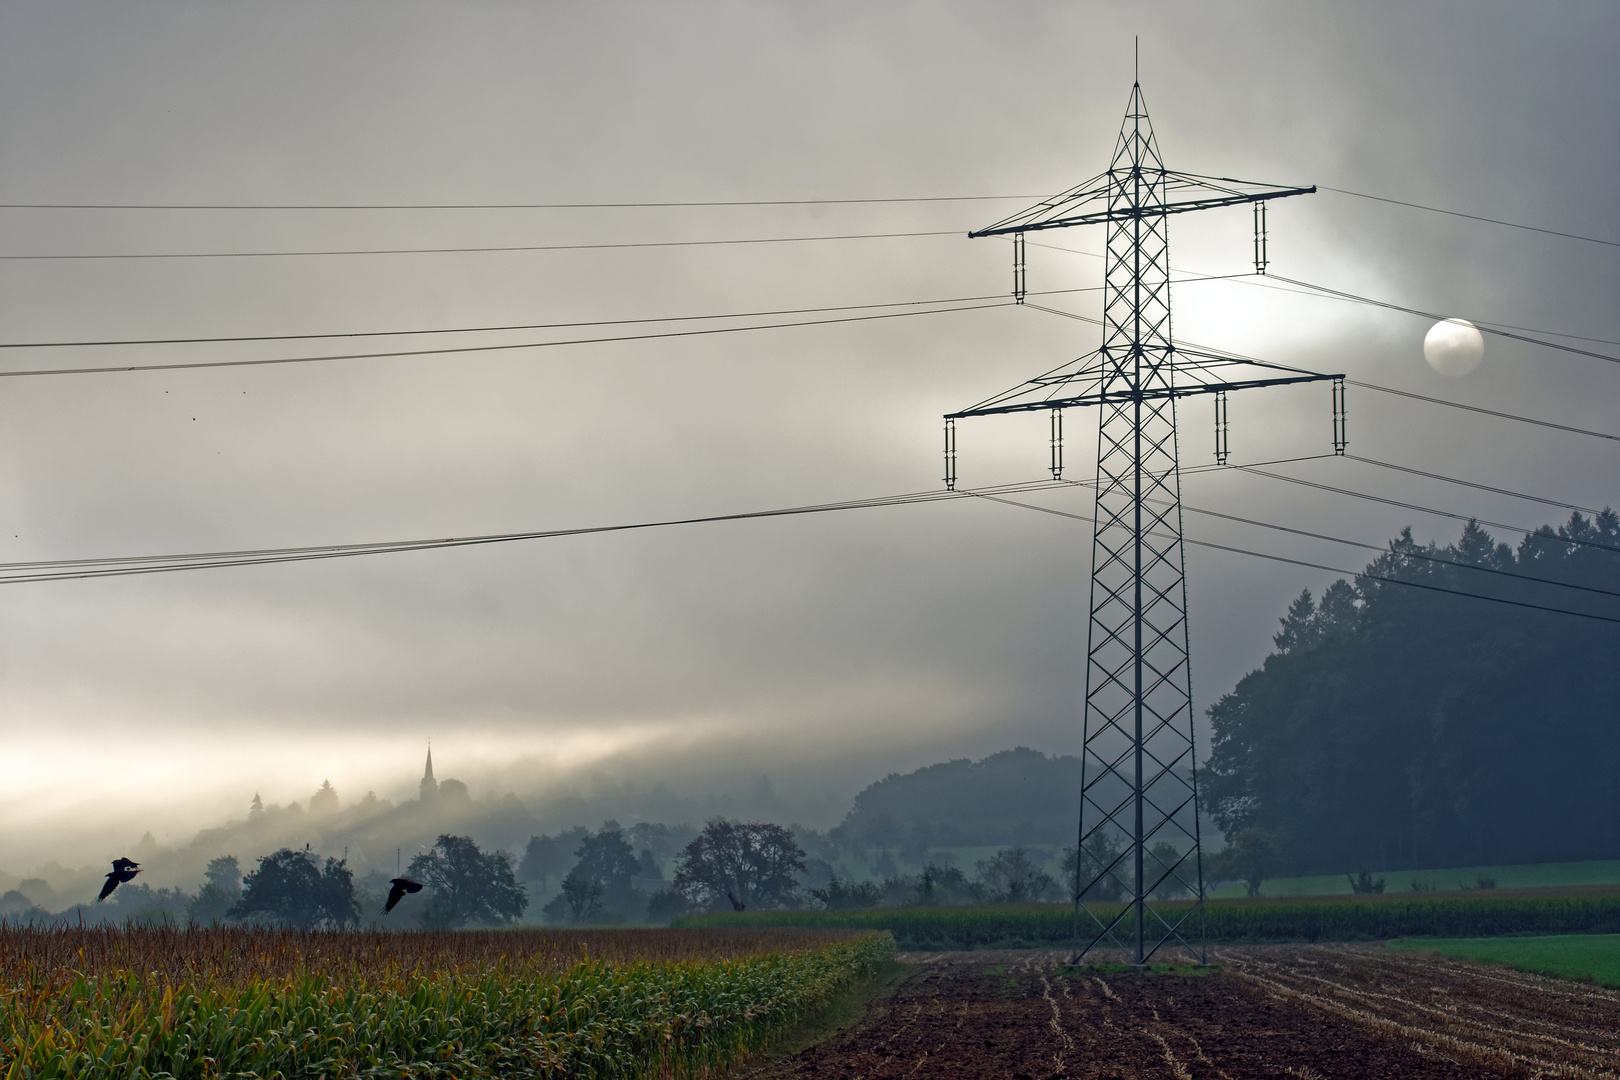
(1307, 1012)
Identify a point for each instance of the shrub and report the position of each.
(840, 895)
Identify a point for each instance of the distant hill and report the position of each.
(1016, 796)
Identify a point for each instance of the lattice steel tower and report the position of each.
(1138, 833)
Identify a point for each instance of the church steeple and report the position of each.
(430, 786)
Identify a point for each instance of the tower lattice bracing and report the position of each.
(1138, 779)
(1139, 879)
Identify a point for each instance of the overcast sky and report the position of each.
(821, 652)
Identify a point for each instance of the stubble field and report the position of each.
(1306, 1012)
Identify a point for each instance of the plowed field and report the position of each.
(1282, 1011)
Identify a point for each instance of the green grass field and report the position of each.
(1589, 910)
(1527, 876)
(1587, 957)
(1452, 879)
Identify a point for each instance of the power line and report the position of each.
(124, 566)
(1374, 386)
(1402, 393)
(1470, 484)
(127, 566)
(1260, 282)
(1425, 556)
(244, 557)
(466, 250)
(1330, 569)
(198, 364)
(506, 206)
(1483, 410)
(1364, 385)
(499, 329)
(1378, 499)
(717, 203)
(1294, 531)
(1420, 508)
(1363, 544)
(1219, 467)
(1448, 403)
(1255, 467)
(1407, 469)
(1473, 217)
(1486, 327)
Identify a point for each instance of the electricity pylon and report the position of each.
(1138, 836)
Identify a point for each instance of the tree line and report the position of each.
(740, 866)
(302, 890)
(1402, 728)
(464, 885)
(727, 866)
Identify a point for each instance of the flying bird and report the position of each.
(736, 904)
(401, 886)
(122, 870)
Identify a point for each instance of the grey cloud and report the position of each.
(831, 649)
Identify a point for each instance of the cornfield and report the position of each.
(243, 1002)
(1362, 918)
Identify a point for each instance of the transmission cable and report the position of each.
(1400, 393)
(1411, 554)
(197, 364)
(200, 560)
(1470, 484)
(1423, 509)
(505, 206)
(1472, 217)
(514, 326)
(1482, 410)
(1358, 383)
(62, 570)
(1321, 566)
(468, 250)
(1486, 327)
(1259, 281)
(718, 203)
(1292, 530)
(123, 566)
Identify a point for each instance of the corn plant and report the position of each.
(598, 1004)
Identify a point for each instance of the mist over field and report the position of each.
(773, 668)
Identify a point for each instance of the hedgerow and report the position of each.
(1224, 921)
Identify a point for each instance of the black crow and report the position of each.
(401, 886)
(736, 905)
(122, 870)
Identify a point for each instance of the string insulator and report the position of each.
(1341, 435)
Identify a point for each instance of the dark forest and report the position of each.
(1397, 727)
